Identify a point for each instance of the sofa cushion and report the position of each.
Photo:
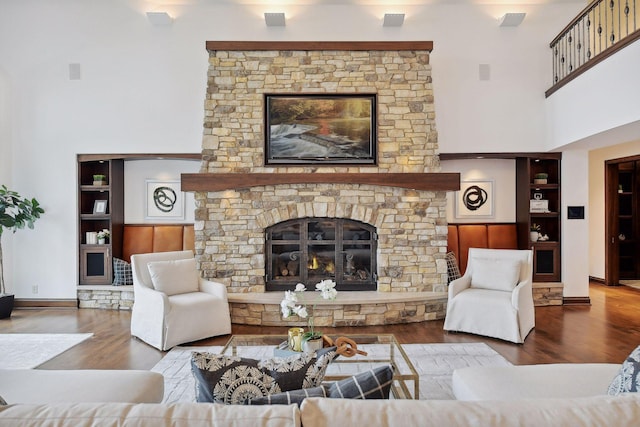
(453, 272)
(122, 274)
(232, 379)
(178, 276)
(372, 384)
(628, 378)
(2, 401)
(498, 274)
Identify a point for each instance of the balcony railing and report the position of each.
(601, 29)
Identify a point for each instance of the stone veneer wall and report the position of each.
(411, 224)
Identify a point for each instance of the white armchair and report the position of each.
(494, 297)
(173, 305)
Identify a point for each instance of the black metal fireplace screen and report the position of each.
(309, 250)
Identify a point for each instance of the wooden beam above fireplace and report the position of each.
(233, 181)
(319, 45)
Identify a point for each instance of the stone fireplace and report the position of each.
(402, 199)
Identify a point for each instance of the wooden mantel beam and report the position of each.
(318, 45)
(233, 181)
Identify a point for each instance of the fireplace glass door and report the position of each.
(309, 250)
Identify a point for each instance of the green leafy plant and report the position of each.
(541, 176)
(99, 177)
(16, 212)
(535, 227)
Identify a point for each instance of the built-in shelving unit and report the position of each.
(538, 208)
(101, 207)
(627, 224)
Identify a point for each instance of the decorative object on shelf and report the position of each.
(347, 347)
(16, 213)
(100, 207)
(622, 236)
(543, 238)
(537, 204)
(540, 178)
(620, 190)
(165, 200)
(289, 307)
(91, 237)
(534, 233)
(102, 236)
(475, 199)
(99, 179)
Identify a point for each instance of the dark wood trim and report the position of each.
(230, 181)
(480, 156)
(597, 280)
(133, 156)
(48, 303)
(576, 301)
(593, 62)
(319, 45)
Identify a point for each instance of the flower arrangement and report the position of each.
(104, 233)
(293, 304)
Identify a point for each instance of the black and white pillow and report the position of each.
(3, 402)
(372, 384)
(233, 379)
(453, 271)
(122, 274)
(628, 378)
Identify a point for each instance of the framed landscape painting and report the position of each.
(320, 129)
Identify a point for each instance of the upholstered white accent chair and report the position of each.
(494, 297)
(172, 303)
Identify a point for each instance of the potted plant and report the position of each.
(99, 179)
(540, 178)
(534, 232)
(103, 235)
(312, 339)
(15, 213)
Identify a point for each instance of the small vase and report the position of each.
(534, 235)
(102, 241)
(295, 338)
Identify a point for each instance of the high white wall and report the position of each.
(142, 90)
(597, 205)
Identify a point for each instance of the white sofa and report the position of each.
(621, 411)
(84, 385)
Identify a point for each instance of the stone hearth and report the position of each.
(410, 221)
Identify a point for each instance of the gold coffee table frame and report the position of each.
(390, 353)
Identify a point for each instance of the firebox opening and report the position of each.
(308, 250)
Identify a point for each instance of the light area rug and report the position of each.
(434, 363)
(27, 351)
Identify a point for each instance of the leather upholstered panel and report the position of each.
(167, 238)
(452, 240)
(461, 237)
(136, 239)
(144, 239)
(470, 236)
(502, 236)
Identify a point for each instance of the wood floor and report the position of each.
(606, 331)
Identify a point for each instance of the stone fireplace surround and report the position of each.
(403, 196)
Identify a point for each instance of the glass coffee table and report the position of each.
(382, 349)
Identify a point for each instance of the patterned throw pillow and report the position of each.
(233, 379)
(628, 378)
(453, 271)
(3, 402)
(122, 274)
(373, 384)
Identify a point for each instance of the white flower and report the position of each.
(290, 296)
(327, 288)
(301, 311)
(300, 288)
